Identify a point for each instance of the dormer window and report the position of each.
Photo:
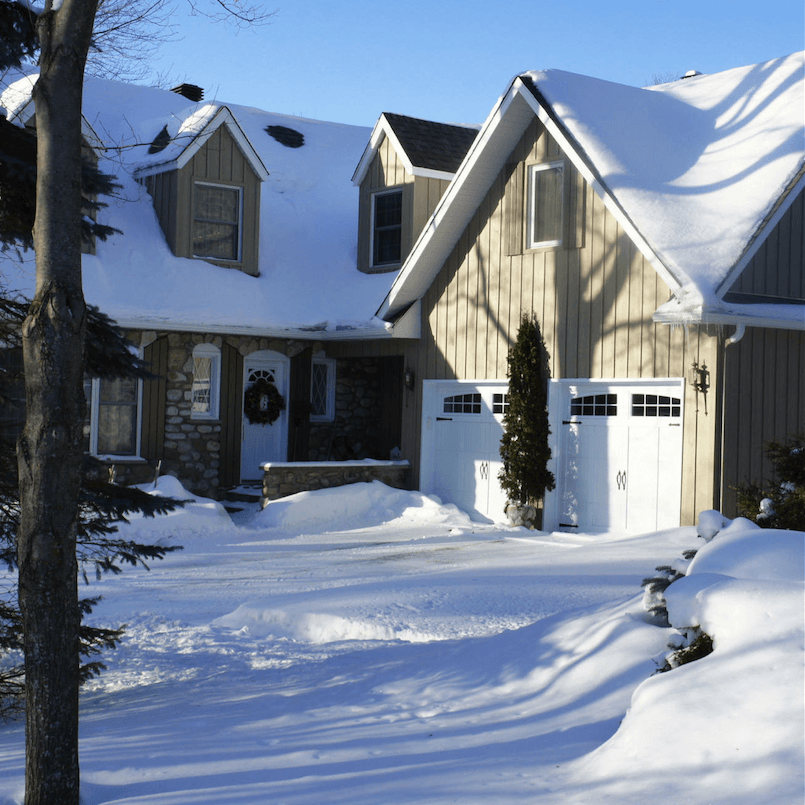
(387, 228)
(217, 215)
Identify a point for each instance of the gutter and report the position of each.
(299, 334)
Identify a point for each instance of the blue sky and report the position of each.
(449, 60)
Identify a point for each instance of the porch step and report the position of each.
(238, 498)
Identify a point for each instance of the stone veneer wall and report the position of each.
(354, 433)
(281, 479)
(191, 450)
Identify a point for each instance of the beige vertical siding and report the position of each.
(764, 401)
(420, 197)
(220, 160)
(778, 267)
(594, 300)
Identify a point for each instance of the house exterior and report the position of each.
(657, 234)
(237, 265)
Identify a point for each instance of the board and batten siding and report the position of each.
(764, 401)
(594, 299)
(219, 161)
(778, 267)
(420, 197)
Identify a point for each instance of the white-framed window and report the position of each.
(112, 423)
(205, 392)
(322, 390)
(217, 217)
(545, 205)
(387, 227)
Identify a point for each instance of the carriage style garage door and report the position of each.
(618, 455)
(461, 431)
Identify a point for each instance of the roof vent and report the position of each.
(290, 138)
(160, 141)
(691, 74)
(189, 91)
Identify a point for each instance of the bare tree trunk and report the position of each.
(50, 450)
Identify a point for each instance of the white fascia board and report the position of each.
(484, 160)
(366, 333)
(791, 317)
(383, 128)
(760, 237)
(610, 203)
(222, 117)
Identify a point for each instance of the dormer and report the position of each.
(403, 173)
(205, 179)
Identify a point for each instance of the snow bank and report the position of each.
(733, 719)
(362, 505)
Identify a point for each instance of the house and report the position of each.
(236, 266)
(657, 234)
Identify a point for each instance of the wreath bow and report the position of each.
(262, 402)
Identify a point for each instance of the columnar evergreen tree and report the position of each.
(524, 448)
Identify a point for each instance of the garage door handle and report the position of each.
(444, 419)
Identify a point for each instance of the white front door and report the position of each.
(262, 443)
(617, 455)
(461, 432)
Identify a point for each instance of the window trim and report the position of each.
(93, 402)
(532, 170)
(239, 189)
(207, 350)
(329, 414)
(373, 262)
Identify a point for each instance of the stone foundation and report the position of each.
(283, 478)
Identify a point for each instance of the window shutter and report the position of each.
(231, 414)
(515, 207)
(152, 438)
(575, 199)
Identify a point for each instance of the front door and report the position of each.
(262, 443)
(619, 462)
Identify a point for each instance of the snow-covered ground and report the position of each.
(371, 646)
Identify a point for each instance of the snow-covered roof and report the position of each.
(309, 285)
(696, 171)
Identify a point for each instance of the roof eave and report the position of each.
(747, 318)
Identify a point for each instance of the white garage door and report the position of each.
(617, 455)
(461, 432)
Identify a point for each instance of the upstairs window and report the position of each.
(217, 213)
(387, 228)
(205, 392)
(545, 204)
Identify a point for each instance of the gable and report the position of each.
(776, 272)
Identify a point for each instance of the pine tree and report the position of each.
(102, 505)
(524, 448)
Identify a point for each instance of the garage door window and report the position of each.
(462, 404)
(655, 405)
(595, 405)
(500, 403)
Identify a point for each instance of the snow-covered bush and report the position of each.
(779, 503)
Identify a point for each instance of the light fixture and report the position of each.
(409, 378)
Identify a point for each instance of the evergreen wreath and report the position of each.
(262, 402)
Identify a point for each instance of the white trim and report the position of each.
(329, 407)
(94, 408)
(533, 169)
(395, 189)
(212, 352)
(193, 219)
